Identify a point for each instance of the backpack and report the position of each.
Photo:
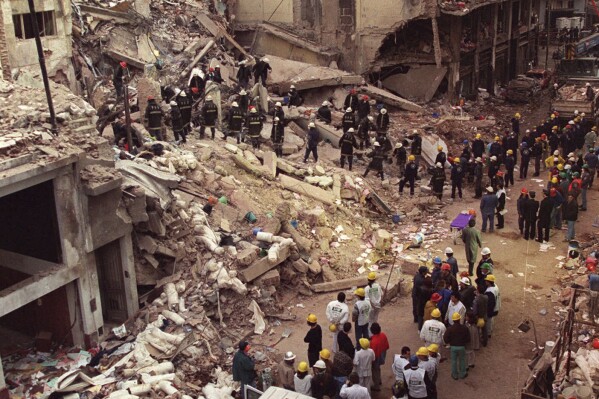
(399, 389)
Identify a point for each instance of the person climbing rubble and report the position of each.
(312, 145)
(364, 128)
(324, 113)
(349, 120)
(295, 100)
(121, 76)
(184, 104)
(260, 71)
(177, 122)
(401, 156)
(376, 163)
(243, 74)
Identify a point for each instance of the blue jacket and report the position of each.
(488, 203)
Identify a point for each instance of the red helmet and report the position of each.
(150, 98)
(353, 91)
(543, 136)
(445, 266)
(436, 297)
(365, 98)
(195, 90)
(524, 191)
(123, 64)
(211, 70)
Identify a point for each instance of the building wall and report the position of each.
(58, 48)
(262, 10)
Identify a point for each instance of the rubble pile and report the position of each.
(572, 93)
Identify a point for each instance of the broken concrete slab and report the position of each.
(420, 83)
(248, 255)
(270, 163)
(301, 266)
(302, 243)
(339, 285)
(327, 132)
(300, 187)
(155, 224)
(382, 239)
(146, 243)
(263, 265)
(246, 165)
(270, 278)
(151, 260)
(390, 99)
(314, 217)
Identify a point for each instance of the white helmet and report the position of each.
(415, 131)
(588, 84)
(478, 159)
(289, 355)
(253, 110)
(485, 251)
(183, 94)
(493, 158)
(177, 91)
(234, 104)
(556, 152)
(242, 62)
(438, 164)
(383, 111)
(320, 364)
(173, 103)
(311, 124)
(370, 118)
(292, 87)
(209, 98)
(527, 130)
(325, 103)
(243, 93)
(448, 250)
(351, 130)
(277, 119)
(377, 144)
(348, 110)
(575, 112)
(265, 59)
(278, 104)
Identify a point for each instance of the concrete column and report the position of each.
(455, 36)
(75, 314)
(436, 44)
(129, 278)
(509, 37)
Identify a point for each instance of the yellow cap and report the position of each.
(360, 292)
(302, 367)
(510, 152)
(325, 354)
(439, 148)
(560, 166)
(372, 276)
(312, 318)
(478, 135)
(490, 278)
(497, 138)
(332, 327)
(480, 323)
(517, 115)
(436, 313)
(433, 348)
(411, 158)
(422, 351)
(455, 316)
(364, 343)
(553, 117)
(554, 180)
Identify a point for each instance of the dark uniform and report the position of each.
(184, 104)
(382, 121)
(401, 155)
(117, 79)
(524, 161)
(177, 123)
(235, 122)
(349, 120)
(531, 207)
(363, 109)
(537, 152)
(277, 134)
(244, 104)
(254, 126)
(478, 180)
(377, 162)
(243, 76)
(294, 98)
(351, 101)
(438, 181)
(510, 164)
(153, 119)
(196, 82)
(478, 148)
(364, 133)
(261, 71)
(209, 116)
(312, 146)
(347, 143)
(324, 114)
(416, 148)
(409, 177)
(457, 175)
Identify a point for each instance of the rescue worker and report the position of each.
(409, 176)
(510, 164)
(457, 336)
(337, 313)
(235, 122)
(324, 112)
(531, 207)
(364, 128)
(363, 360)
(585, 182)
(478, 177)
(496, 150)
(520, 205)
(277, 136)
(516, 124)
(438, 180)
(524, 160)
(196, 84)
(218, 77)
(374, 295)
(376, 163)
(209, 117)
(417, 380)
(512, 144)
(121, 75)
(401, 156)
(244, 369)
(322, 384)
(314, 339)
(361, 315)
(536, 152)
(302, 380)
(351, 101)
(416, 148)
(347, 143)
(488, 203)
(363, 108)
(349, 120)
(590, 138)
(312, 145)
(254, 125)
(244, 102)
(544, 218)
(432, 330)
(544, 149)
(177, 122)
(243, 74)
(478, 147)
(494, 304)
(261, 71)
(382, 120)
(457, 175)
(278, 112)
(441, 156)
(385, 143)
(501, 196)
(352, 388)
(153, 119)
(184, 103)
(590, 93)
(472, 241)
(294, 98)
(493, 168)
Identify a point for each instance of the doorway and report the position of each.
(111, 282)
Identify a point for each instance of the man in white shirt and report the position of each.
(360, 316)
(432, 330)
(400, 362)
(353, 390)
(363, 361)
(374, 295)
(337, 314)
(455, 306)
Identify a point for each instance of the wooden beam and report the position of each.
(217, 32)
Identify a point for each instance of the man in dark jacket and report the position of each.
(531, 207)
(376, 163)
(277, 136)
(364, 127)
(536, 153)
(254, 125)
(177, 123)
(243, 368)
(478, 147)
(363, 108)
(544, 217)
(488, 203)
(570, 216)
(312, 145)
(382, 120)
(510, 164)
(243, 74)
(416, 288)
(324, 112)
(344, 341)
(401, 156)
(478, 177)
(209, 117)
(416, 149)
(235, 121)
(184, 103)
(295, 100)
(347, 143)
(457, 175)
(121, 75)
(153, 118)
(441, 156)
(351, 101)
(496, 150)
(314, 339)
(348, 120)
(520, 205)
(261, 71)
(409, 176)
(244, 102)
(516, 124)
(457, 336)
(524, 160)
(438, 180)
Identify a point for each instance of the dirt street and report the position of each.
(525, 276)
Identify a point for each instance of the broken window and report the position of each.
(46, 23)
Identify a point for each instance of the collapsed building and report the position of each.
(463, 45)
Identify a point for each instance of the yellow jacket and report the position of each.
(550, 163)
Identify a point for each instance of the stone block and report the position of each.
(253, 159)
(270, 163)
(319, 170)
(270, 278)
(285, 167)
(155, 224)
(324, 235)
(327, 273)
(146, 243)
(315, 267)
(151, 260)
(382, 239)
(301, 266)
(165, 251)
(136, 206)
(314, 217)
(232, 148)
(289, 149)
(247, 256)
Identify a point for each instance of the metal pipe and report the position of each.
(40, 53)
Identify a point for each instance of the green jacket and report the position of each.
(243, 368)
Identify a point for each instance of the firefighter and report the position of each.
(313, 139)
(243, 74)
(401, 156)
(382, 120)
(324, 113)
(235, 121)
(254, 125)
(376, 163)
(349, 120)
(457, 176)
(121, 74)
(347, 143)
(153, 118)
(364, 132)
(209, 117)
(184, 104)
(277, 134)
(351, 101)
(177, 122)
(363, 108)
(294, 98)
(410, 173)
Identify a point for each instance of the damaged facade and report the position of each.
(463, 45)
(17, 42)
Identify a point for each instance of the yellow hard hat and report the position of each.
(433, 348)
(478, 135)
(594, 128)
(411, 158)
(333, 328)
(490, 278)
(439, 148)
(325, 354)
(497, 138)
(372, 276)
(436, 313)
(302, 367)
(312, 318)
(360, 292)
(422, 351)
(553, 117)
(554, 180)
(364, 343)
(455, 316)
(560, 166)
(517, 115)
(510, 152)
(480, 323)
(554, 128)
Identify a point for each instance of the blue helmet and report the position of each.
(436, 259)
(524, 144)
(414, 361)
(465, 141)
